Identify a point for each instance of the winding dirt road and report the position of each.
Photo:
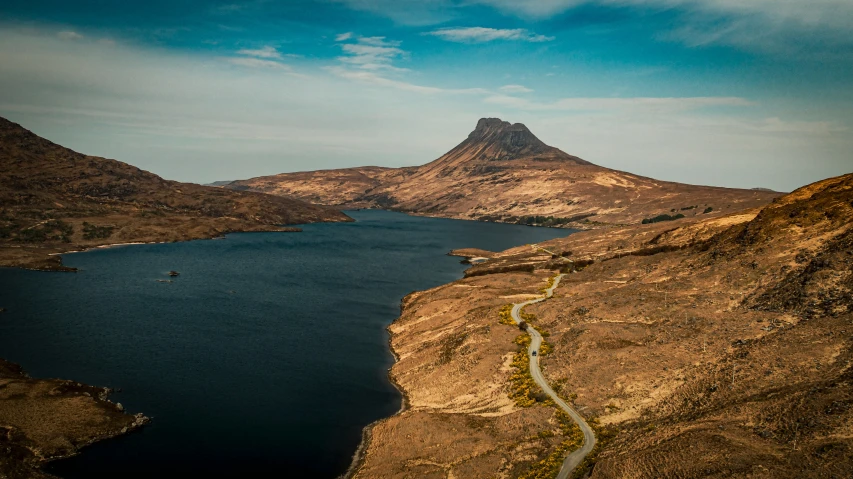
(575, 457)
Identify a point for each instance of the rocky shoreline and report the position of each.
(366, 434)
(43, 420)
(49, 257)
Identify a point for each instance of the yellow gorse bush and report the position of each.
(549, 467)
(521, 385)
(526, 316)
(550, 283)
(506, 315)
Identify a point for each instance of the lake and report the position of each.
(265, 357)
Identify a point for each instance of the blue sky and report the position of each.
(719, 92)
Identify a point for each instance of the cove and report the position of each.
(265, 358)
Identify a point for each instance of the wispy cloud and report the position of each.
(373, 53)
(263, 52)
(776, 26)
(265, 57)
(189, 118)
(532, 8)
(343, 37)
(515, 89)
(407, 12)
(258, 63)
(237, 8)
(370, 60)
(375, 79)
(483, 34)
(609, 104)
(69, 35)
(782, 27)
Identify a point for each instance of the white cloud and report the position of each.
(263, 52)
(374, 79)
(604, 104)
(379, 41)
(69, 35)
(370, 60)
(343, 36)
(378, 80)
(813, 12)
(483, 34)
(532, 8)
(373, 53)
(258, 63)
(189, 118)
(264, 57)
(782, 27)
(407, 12)
(515, 89)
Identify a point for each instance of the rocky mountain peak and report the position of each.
(490, 124)
(507, 140)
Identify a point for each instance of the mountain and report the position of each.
(707, 348)
(503, 172)
(53, 199)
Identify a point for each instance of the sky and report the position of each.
(735, 93)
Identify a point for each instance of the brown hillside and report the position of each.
(53, 199)
(43, 419)
(503, 172)
(720, 347)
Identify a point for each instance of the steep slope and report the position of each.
(715, 347)
(503, 172)
(53, 199)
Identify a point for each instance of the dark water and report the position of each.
(266, 357)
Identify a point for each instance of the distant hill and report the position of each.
(54, 199)
(503, 172)
(762, 189)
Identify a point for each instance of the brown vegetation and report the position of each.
(45, 419)
(713, 347)
(53, 200)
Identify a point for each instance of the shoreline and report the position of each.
(48, 257)
(367, 433)
(105, 246)
(578, 227)
(360, 454)
(53, 261)
(284, 229)
(29, 448)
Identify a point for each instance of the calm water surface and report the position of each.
(266, 357)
